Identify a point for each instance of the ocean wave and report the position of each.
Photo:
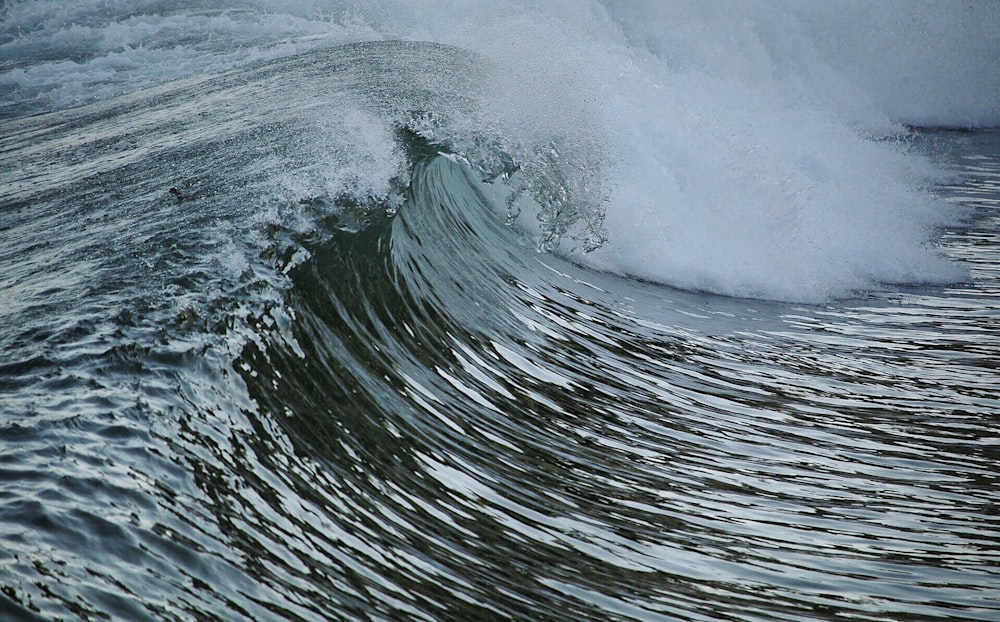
(367, 319)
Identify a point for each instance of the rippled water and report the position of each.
(264, 362)
(433, 420)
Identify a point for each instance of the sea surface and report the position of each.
(319, 310)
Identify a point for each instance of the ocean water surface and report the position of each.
(320, 310)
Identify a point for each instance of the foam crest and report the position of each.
(737, 174)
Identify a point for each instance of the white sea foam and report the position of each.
(746, 148)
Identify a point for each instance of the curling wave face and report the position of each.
(522, 437)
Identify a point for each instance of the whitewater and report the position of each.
(322, 310)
